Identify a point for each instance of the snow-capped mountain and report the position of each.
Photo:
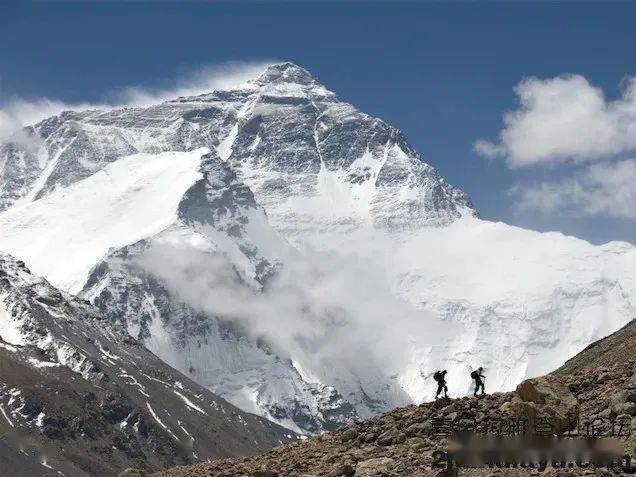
(295, 255)
(79, 396)
(222, 248)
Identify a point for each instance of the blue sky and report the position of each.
(442, 73)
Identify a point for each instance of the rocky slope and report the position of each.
(80, 397)
(295, 255)
(596, 388)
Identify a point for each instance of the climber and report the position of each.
(440, 378)
(479, 383)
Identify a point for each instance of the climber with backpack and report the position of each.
(440, 378)
(479, 383)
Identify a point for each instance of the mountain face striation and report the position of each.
(295, 255)
(79, 396)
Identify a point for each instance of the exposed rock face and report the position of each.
(80, 396)
(403, 442)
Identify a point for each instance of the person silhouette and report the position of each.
(479, 383)
(440, 378)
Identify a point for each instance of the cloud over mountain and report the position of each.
(18, 112)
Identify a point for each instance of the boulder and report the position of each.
(547, 390)
(419, 429)
(622, 402)
(129, 472)
(346, 470)
(374, 467)
(546, 396)
(369, 437)
(348, 435)
(417, 444)
(386, 438)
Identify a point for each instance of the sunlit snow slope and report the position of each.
(64, 234)
(310, 267)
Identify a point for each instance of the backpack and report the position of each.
(474, 375)
(437, 376)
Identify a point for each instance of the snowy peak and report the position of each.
(283, 133)
(307, 235)
(286, 73)
(295, 141)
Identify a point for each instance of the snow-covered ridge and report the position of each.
(63, 234)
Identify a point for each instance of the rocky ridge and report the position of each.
(79, 396)
(405, 441)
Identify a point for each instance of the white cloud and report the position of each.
(488, 149)
(599, 189)
(202, 80)
(565, 118)
(321, 310)
(16, 112)
(568, 120)
(320, 307)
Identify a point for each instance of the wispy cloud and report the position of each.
(321, 310)
(600, 189)
(17, 112)
(194, 82)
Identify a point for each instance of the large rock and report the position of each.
(388, 437)
(622, 402)
(546, 396)
(547, 390)
(348, 435)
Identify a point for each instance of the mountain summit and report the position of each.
(286, 72)
(295, 255)
(378, 173)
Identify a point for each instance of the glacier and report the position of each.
(295, 255)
